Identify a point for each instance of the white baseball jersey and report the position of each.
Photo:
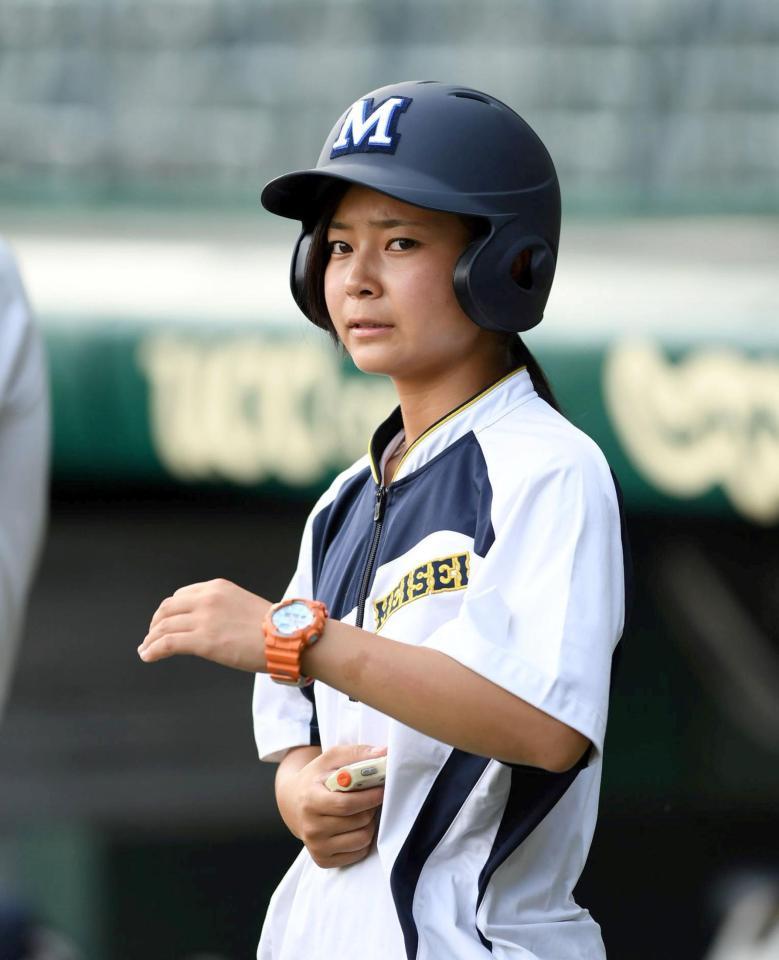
(498, 543)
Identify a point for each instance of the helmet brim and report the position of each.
(298, 195)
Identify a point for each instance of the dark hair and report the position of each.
(314, 290)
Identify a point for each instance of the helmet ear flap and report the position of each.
(297, 272)
(542, 267)
(488, 292)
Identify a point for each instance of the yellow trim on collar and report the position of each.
(446, 419)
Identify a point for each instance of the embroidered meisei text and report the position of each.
(436, 576)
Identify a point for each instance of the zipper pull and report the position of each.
(378, 509)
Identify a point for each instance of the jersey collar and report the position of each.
(483, 408)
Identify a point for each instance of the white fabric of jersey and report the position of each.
(501, 547)
(24, 458)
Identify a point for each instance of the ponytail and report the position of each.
(522, 357)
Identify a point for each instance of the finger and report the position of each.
(191, 588)
(336, 803)
(328, 855)
(322, 827)
(171, 607)
(180, 623)
(185, 597)
(352, 842)
(358, 821)
(344, 754)
(217, 585)
(340, 804)
(342, 859)
(170, 645)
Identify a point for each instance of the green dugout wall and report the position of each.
(691, 429)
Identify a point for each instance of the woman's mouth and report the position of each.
(368, 328)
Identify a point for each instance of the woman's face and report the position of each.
(388, 287)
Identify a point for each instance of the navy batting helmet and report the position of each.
(453, 149)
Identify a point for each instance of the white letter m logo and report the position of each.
(376, 131)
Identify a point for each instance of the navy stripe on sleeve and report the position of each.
(532, 794)
(452, 787)
(313, 723)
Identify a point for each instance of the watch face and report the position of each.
(292, 617)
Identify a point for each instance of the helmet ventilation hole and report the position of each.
(469, 95)
(522, 270)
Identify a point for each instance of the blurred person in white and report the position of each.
(24, 459)
(24, 472)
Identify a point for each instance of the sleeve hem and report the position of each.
(275, 746)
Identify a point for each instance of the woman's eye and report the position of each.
(401, 243)
(338, 246)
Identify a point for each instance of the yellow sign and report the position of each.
(709, 420)
(250, 410)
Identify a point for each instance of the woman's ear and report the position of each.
(520, 269)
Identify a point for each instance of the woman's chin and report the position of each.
(372, 361)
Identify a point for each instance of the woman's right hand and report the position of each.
(337, 828)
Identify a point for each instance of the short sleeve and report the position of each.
(285, 717)
(544, 609)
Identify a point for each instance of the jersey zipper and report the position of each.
(378, 522)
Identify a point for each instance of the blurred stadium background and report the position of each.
(196, 416)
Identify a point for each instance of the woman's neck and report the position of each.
(424, 402)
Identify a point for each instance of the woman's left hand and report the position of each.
(217, 620)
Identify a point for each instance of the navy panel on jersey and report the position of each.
(451, 789)
(341, 535)
(462, 501)
(343, 531)
(313, 726)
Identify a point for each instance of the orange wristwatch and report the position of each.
(290, 627)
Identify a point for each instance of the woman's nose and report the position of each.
(362, 279)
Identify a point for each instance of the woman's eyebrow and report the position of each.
(390, 224)
(382, 224)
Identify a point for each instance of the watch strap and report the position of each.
(283, 652)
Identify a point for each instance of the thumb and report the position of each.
(347, 753)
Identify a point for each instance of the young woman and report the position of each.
(471, 565)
